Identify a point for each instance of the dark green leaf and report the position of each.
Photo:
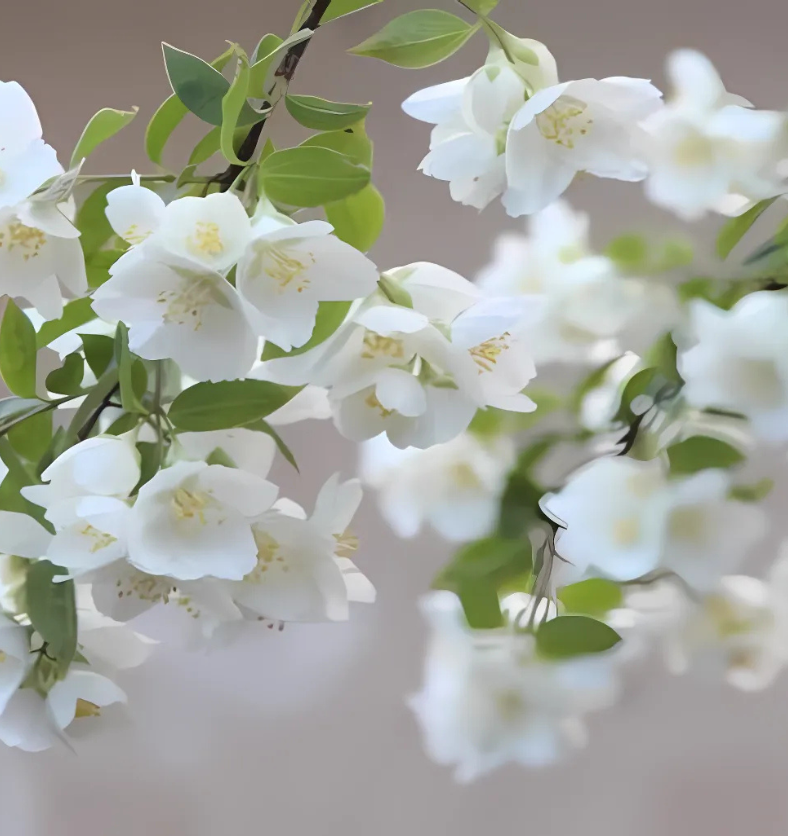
(13, 410)
(99, 352)
(18, 351)
(495, 560)
(323, 115)
(309, 176)
(232, 403)
(417, 39)
(75, 313)
(700, 452)
(30, 438)
(595, 596)
(127, 422)
(736, 228)
(99, 264)
(124, 360)
(103, 125)
(52, 610)
(752, 493)
(358, 219)
(151, 453)
(67, 380)
(574, 635)
(18, 477)
(481, 606)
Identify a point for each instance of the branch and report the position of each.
(285, 70)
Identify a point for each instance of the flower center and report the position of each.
(347, 544)
(185, 305)
(3, 656)
(26, 240)
(145, 587)
(564, 122)
(694, 150)
(377, 346)
(287, 269)
(206, 239)
(101, 539)
(464, 476)
(373, 403)
(626, 531)
(688, 524)
(486, 354)
(134, 235)
(86, 709)
(269, 556)
(190, 505)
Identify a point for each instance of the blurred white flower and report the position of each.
(488, 700)
(14, 658)
(706, 145)
(454, 487)
(740, 361)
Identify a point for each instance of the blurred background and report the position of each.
(306, 731)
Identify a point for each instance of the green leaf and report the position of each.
(339, 8)
(127, 422)
(151, 454)
(13, 410)
(663, 356)
(67, 380)
(232, 403)
(52, 610)
(637, 396)
(595, 596)
(330, 315)
(353, 142)
(700, 452)
(358, 219)
(265, 427)
(482, 607)
(393, 289)
(18, 351)
(752, 493)
(99, 352)
(75, 313)
(305, 176)
(736, 228)
(417, 39)
(91, 218)
(169, 116)
(323, 115)
(201, 87)
(629, 251)
(123, 359)
(574, 635)
(262, 58)
(232, 107)
(99, 264)
(18, 477)
(105, 124)
(206, 147)
(481, 7)
(31, 438)
(105, 386)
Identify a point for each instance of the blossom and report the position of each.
(303, 569)
(288, 270)
(180, 310)
(14, 658)
(393, 369)
(488, 699)
(582, 305)
(454, 487)
(250, 450)
(588, 125)
(740, 361)
(26, 161)
(707, 145)
(193, 519)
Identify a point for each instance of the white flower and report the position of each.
(287, 271)
(454, 487)
(488, 700)
(588, 125)
(303, 570)
(740, 361)
(704, 146)
(249, 450)
(192, 520)
(14, 658)
(471, 116)
(613, 510)
(211, 231)
(183, 311)
(40, 254)
(26, 161)
(392, 369)
(581, 303)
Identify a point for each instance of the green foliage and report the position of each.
(629, 251)
(232, 109)
(13, 410)
(105, 124)
(18, 351)
(99, 352)
(201, 87)
(736, 228)
(594, 596)
(393, 290)
(232, 403)
(752, 493)
(339, 8)
(417, 39)
(206, 147)
(30, 438)
(492, 421)
(170, 114)
(323, 115)
(91, 218)
(265, 427)
(700, 452)
(479, 570)
(267, 49)
(574, 635)
(99, 264)
(330, 315)
(358, 219)
(481, 7)
(75, 313)
(125, 363)
(52, 610)
(352, 142)
(67, 380)
(18, 477)
(311, 176)
(634, 255)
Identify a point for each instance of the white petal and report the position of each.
(85, 685)
(22, 536)
(19, 122)
(401, 391)
(134, 212)
(436, 104)
(392, 319)
(336, 504)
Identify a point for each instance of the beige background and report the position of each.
(306, 732)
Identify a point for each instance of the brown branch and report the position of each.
(286, 70)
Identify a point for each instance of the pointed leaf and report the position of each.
(105, 124)
(358, 219)
(574, 635)
(323, 115)
(18, 352)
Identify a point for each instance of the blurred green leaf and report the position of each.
(574, 635)
(736, 228)
(594, 596)
(700, 452)
(330, 315)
